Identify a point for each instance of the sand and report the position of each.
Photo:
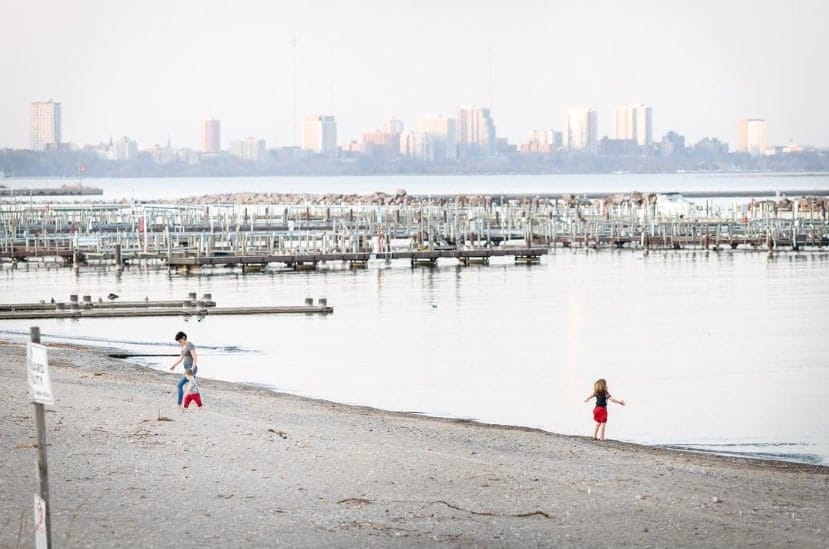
(258, 469)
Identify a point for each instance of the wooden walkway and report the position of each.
(189, 238)
(312, 259)
(113, 308)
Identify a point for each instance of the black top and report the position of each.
(601, 399)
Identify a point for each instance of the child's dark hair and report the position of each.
(180, 336)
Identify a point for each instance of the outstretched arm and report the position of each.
(176, 363)
(622, 402)
(588, 398)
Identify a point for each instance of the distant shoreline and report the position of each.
(380, 175)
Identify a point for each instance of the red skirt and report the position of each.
(600, 414)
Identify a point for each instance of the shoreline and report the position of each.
(363, 408)
(256, 467)
(117, 353)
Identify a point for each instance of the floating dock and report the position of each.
(63, 190)
(132, 309)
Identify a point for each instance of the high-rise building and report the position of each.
(673, 144)
(211, 136)
(319, 135)
(541, 141)
(124, 149)
(634, 122)
(751, 136)
(252, 148)
(475, 132)
(44, 125)
(438, 138)
(383, 143)
(581, 129)
(393, 126)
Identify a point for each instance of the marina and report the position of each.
(187, 238)
(491, 340)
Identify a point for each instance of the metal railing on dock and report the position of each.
(471, 231)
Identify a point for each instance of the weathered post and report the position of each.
(119, 266)
(38, 375)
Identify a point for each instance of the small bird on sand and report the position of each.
(112, 297)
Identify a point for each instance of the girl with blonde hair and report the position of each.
(602, 395)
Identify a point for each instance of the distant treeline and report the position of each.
(72, 164)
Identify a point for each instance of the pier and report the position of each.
(86, 307)
(63, 190)
(470, 230)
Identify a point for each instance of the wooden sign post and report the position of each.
(41, 387)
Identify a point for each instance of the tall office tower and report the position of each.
(393, 126)
(251, 148)
(540, 141)
(124, 149)
(44, 125)
(440, 134)
(319, 135)
(634, 123)
(475, 132)
(751, 136)
(211, 136)
(581, 129)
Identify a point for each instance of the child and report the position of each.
(601, 395)
(193, 394)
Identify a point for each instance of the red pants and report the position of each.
(192, 397)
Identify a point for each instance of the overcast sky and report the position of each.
(154, 69)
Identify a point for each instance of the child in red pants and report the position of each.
(602, 396)
(193, 394)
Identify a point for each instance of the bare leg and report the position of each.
(601, 430)
(596, 431)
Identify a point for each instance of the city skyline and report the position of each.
(526, 62)
(471, 134)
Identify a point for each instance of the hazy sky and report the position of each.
(151, 69)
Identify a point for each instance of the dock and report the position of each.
(190, 307)
(188, 239)
(63, 190)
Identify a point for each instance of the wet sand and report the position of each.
(258, 469)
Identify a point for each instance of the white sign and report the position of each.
(41, 541)
(39, 374)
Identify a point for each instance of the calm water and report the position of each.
(721, 352)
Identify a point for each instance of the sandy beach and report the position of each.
(254, 468)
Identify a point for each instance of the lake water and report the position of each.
(720, 352)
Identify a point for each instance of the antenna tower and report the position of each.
(293, 119)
